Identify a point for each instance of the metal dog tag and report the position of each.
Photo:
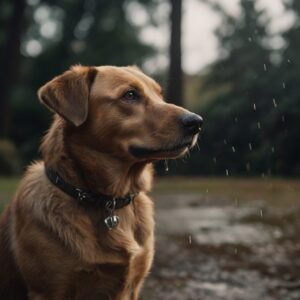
(111, 222)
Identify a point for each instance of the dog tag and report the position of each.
(111, 222)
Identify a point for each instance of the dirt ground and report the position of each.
(239, 243)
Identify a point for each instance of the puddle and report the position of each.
(217, 290)
(235, 234)
(265, 267)
(215, 225)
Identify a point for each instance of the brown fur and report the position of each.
(51, 248)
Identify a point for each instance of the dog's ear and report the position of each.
(68, 93)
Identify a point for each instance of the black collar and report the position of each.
(87, 198)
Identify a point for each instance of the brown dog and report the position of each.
(111, 124)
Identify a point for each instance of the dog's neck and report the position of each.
(90, 169)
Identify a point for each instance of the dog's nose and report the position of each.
(192, 123)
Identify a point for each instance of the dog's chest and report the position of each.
(130, 266)
(127, 250)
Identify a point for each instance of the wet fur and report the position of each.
(52, 248)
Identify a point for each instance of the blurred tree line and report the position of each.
(252, 111)
(251, 103)
(40, 39)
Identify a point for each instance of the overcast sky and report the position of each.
(200, 46)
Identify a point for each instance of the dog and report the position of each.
(80, 225)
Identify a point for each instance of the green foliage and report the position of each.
(252, 126)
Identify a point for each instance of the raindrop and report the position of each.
(283, 84)
(250, 146)
(283, 119)
(227, 172)
(262, 175)
(261, 213)
(265, 67)
(273, 149)
(225, 142)
(215, 160)
(235, 251)
(190, 239)
(233, 149)
(166, 166)
(274, 103)
(258, 125)
(254, 106)
(250, 39)
(289, 61)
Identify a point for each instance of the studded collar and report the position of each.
(87, 198)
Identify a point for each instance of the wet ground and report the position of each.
(238, 242)
(235, 239)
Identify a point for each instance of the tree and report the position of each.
(235, 136)
(285, 122)
(175, 76)
(10, 59)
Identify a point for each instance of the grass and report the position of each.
(8, 184)
(7, 188)
(278, 191)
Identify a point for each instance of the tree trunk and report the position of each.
(175, 79)
(9, 64)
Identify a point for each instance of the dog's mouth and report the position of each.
(164, 152)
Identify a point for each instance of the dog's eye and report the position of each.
(131, 95)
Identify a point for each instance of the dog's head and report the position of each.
(121, 111)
